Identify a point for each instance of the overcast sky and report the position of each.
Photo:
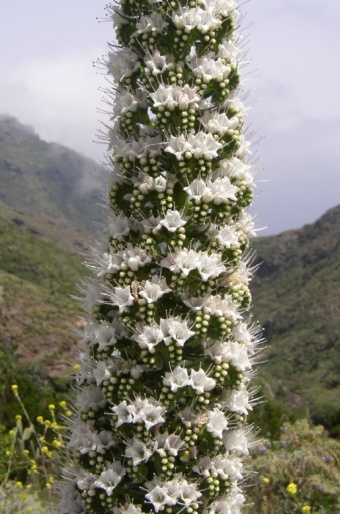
(47, 80)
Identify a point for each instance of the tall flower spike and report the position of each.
(168, 349)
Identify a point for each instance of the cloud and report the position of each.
(302, 165)
(58, 97)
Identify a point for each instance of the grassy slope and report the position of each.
(36, 279)
(297, 299)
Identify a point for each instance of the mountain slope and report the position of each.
(36, 279)
(46, 178)
(297, 299)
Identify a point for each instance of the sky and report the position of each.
(47, 80)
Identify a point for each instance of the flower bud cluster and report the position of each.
(168, 349)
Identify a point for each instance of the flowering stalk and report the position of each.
(163, 391)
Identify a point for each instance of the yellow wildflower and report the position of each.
(40, 419)
(15, 389)
(18, 417)
(18, 484)
(291, 489)
(306, 509)
(62, 404)
(266, 480)
(51, 406)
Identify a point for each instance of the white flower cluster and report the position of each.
(167, 348)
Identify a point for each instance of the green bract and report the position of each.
(168, 347)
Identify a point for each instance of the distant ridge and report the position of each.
(46, 178)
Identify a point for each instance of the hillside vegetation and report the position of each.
(297, 299)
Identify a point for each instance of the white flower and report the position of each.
(155, 289)
(109, 263)
(187, 493)
(228, 50)
(234, 103)
(208, 67)
(124, 412)
(200, 381)
(136, 257)
(198, 145)
(128, 102)
(121, 297)
(122, 63)
(101, 372)
(105, 334)
(201, 144)
(227, 236)
(184, 260)
(85, 481)
(146, 146)
(172, 221)
(218, 123)
(221, 190)
(118, 226)
(152, 415)
(159, 497)
(244, 148)
(197, 189)
(246, 224)
(85, 440)
(156, 63)
(110, 478)
(196, 304)
(177, 145)
(228, 467)
(242, 273)
(229, 504)
(188, 417)
(176, 379)
(90, 399)
(236, 440)
(175, 329)
(196, 17)
(242, 335)
(203, 466)
(148, 337)
(149, 412)
(210, 266)
(184, 97)
(152, 23)
(168, 444)
(217, 423)
(137, 451)
(222, 7)
(82, 438)
(150, 224)
(238, 401)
